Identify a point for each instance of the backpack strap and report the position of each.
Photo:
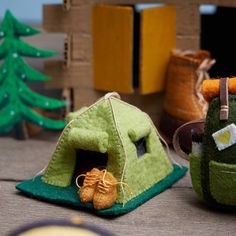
(187, 126)
(224, 99)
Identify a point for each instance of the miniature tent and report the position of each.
(117, 136)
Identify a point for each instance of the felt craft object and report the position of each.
(183, 99)
(211, 88)
(213, 169)
(16, 98)
(99, 187)
(50, 227)
(107, 144)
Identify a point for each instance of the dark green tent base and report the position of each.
(69, 196)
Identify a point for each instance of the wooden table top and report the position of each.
(177, 211)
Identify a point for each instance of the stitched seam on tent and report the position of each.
(60, 141)
(55, 153)
(125, 154)
(155, 181)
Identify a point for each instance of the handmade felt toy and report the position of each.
(117, 149)
(74, 227)
(99, 187)
(213, 160)
(183, 99)
(16, 98)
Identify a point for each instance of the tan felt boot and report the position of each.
(183, 99)
(87, 191)
(186, 71)
(106, 192)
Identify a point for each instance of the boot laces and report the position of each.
(104, 186)
(89, 180)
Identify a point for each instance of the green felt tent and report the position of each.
(114, 135)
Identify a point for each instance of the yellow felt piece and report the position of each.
(58, 231)
(224, 137)
(112, 48)
(211, 88)
(158, 37)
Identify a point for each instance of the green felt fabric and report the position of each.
(16, 98)
(115, 118)
(195, 172)
(222, 180)
(88, 140)
(218, 184)
(68, 195)
(18, 28)
(72, 115)
(60, 169)
(139, 132)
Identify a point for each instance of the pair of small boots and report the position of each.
(99, 187)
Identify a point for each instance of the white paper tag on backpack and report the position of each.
(225, 137)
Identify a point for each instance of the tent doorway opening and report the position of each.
(87, 160)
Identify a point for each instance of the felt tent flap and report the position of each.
(88, 139)
(73, 115)
(211, 88)
(139, 132)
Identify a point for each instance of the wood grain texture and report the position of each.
(78, 18)
(186, 42)
(81, 48)
(21, 160)
(85, 97)
(187, 18)
(78, 21)
(176, 211)
(77, 74)
(56, 19)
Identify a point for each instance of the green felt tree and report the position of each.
(16, 98)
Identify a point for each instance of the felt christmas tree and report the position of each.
(17, 100)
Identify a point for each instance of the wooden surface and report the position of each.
(176, 211)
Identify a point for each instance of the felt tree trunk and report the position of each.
(16, 98)
(21, 132)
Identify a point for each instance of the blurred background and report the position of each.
(31, 12)
(217, 29)
(26, 10)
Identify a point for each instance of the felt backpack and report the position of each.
(213, 155)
